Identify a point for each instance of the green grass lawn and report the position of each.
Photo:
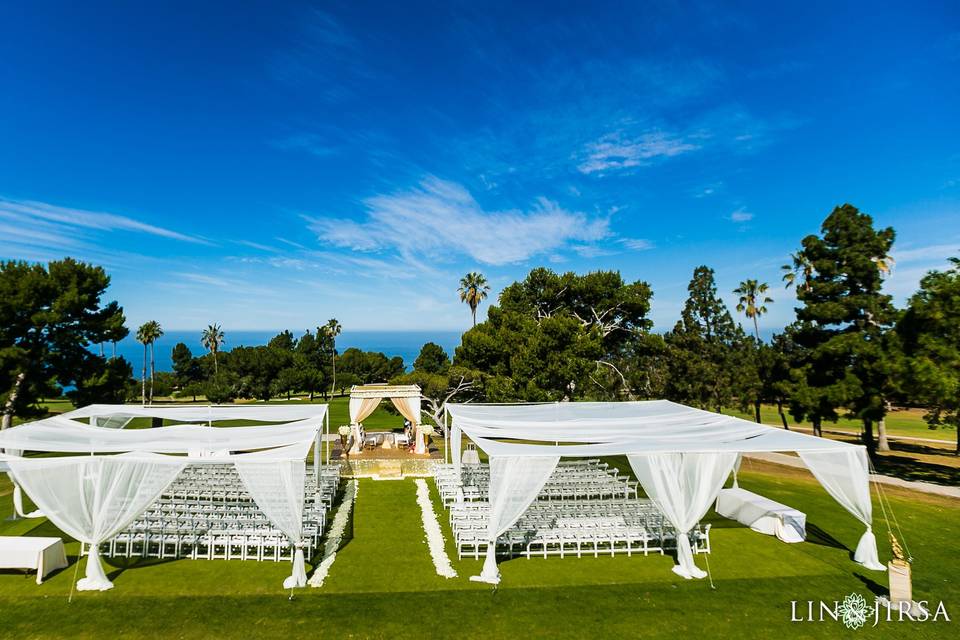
(382, 584)
(903, 422)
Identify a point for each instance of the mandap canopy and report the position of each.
(682, 456)
(365, 398)
(121, 472)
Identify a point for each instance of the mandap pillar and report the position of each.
(420, 447)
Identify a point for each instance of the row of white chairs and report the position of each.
(208, 514)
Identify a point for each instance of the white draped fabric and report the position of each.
(69, 436)
(409, 408)
(515, 483)
(360, 409)
(92, 498)
(654, 434)
(18, 502)
(683, 486)
(277, 488)
(852, 491)
(201, 413)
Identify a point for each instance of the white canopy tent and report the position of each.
(364, 399)
(94, 496)
(680, 455)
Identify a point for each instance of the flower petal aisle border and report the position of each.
(431, 527)
(335, 535)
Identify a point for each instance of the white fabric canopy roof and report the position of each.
(680, 455)
(92, 497)
(61, 434)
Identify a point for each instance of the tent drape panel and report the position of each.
(409, 408)
(456, 452)
(360, 409)
(683, 486)
(846, 476)
(277, 488)
(18, 502)
(515, 482)
(92, 498)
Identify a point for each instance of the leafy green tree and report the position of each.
(311, 359)
(49, 315)
(185, 366)
(841, 322)
(109, 383)
(557, 336)
(222, 387)
(370, 366)
(930, 334)
(432, 359)
(473, 290)
(256, 369)
(283, 341)
(212, 339)
(707, 363)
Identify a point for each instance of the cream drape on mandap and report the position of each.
(360, 409)
(277, 486)
(683, 486)
(92, 498)
(846, 477)
(409, 408)
(515, 483)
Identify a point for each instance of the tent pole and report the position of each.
(326, 431)
(446, 436)
(316, 458)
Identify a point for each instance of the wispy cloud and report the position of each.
(311, 143)
(614, 151)
(636, 244)
(740, 215)
(27, 211)
(439, 218)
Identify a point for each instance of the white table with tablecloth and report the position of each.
(762, 514)
(41, 554)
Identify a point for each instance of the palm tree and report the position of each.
(147, 334)
(333, 329)
(212, 339)
(801, 266)
(753, 301)
(155, 333)
(473, 290)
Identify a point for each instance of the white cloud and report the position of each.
(741, 215)
(636, 244)
(614, 152)
(440, 217)
(29, 212)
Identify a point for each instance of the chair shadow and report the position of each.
(123, 564)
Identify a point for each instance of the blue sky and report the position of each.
(270, 165)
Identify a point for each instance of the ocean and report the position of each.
(405, 344)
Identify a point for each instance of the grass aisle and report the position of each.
(387, 551)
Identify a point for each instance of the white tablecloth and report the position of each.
(762, 514)
(42, 554)
(470, 456)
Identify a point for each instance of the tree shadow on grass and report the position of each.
(914, 469)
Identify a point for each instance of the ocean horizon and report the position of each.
(405, 344)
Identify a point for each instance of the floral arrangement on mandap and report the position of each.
(344, 430)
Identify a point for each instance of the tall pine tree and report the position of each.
(842, 321)
(708, 355)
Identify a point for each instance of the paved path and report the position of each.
(842, 432)
(925, 487)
